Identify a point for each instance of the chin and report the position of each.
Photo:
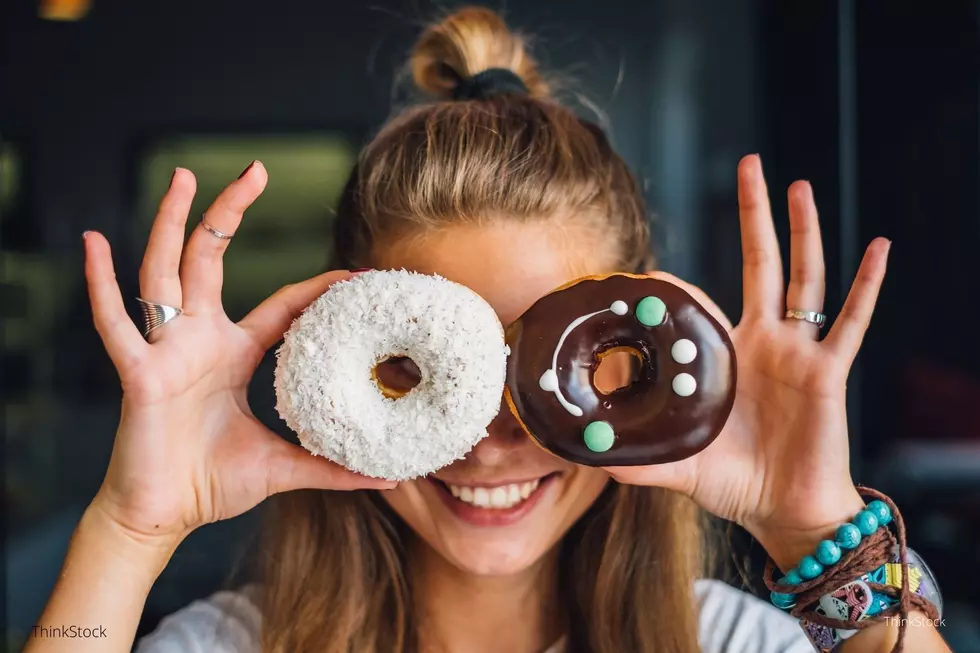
(496, 557)
(496, 526)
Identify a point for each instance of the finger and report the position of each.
(698, 294)
(806, 279)
(679, 476)
(120, 336)
(848, 331)
(269, 320)
(201, 267)
(290, 467)
(160, 271)
(762, 271)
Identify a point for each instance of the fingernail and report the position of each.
(361, 270)
(85, 234)
(173, 176)
(245, 171)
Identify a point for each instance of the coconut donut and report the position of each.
(679, 400)
(330, 393)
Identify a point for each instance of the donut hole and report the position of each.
(617, 369)
(396, 376)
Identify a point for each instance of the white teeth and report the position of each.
(481, 497)
(500, 497)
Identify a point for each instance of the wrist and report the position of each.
(788, 545)
(849, 570)
(146, 555)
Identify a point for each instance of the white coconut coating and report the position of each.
(326, 393)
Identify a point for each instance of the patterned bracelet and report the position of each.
(876, 515)
(857, 601)
(857, 578)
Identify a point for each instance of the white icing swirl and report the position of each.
(549, 380)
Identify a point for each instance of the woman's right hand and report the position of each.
(188, 450)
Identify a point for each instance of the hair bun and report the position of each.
(468, 42)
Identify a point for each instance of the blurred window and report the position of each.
(286, 233)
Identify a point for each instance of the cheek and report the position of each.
(408, 503)
(584, 488)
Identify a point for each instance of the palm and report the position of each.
(785, 444)
(201, 373)
(786, 440)
(188, 450)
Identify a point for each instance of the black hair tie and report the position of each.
(492, 81)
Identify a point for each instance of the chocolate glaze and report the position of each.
(652, 423)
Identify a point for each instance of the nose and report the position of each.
(505, 438)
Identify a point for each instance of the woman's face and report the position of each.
(508, 502)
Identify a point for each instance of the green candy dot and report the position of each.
(599, 436)
(650, 311)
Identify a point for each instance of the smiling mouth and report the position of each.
(500, 497)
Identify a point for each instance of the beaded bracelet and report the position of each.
(876, 514)
(856, 601)
(857, 578)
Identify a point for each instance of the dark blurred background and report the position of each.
(877, 103)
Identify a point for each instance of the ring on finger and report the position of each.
(818, 319)
(214, 232)
(156, 315)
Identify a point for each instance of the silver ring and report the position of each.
(214, 232)
(156, 315)
(812, 317)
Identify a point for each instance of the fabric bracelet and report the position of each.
(867, 579)
(857, 601)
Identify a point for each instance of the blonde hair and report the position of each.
(525, 157)
(334, 567)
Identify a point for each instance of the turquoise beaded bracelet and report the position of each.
(875, 515)
(922, 582)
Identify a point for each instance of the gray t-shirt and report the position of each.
(730, 621)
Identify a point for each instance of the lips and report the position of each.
(501, 496)
(492, 505)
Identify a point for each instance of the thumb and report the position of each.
(680, 476)
(268, 321)
(291, 467)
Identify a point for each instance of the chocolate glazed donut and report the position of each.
(676, 406)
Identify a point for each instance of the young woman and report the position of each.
(512, 195)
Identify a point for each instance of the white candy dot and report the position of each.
(684, 351)
(684, 384)
(619, 307)
(549, 381)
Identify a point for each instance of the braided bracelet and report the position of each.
(857, 601)
(856, 579)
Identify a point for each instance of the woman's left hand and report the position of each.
(780, 467)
